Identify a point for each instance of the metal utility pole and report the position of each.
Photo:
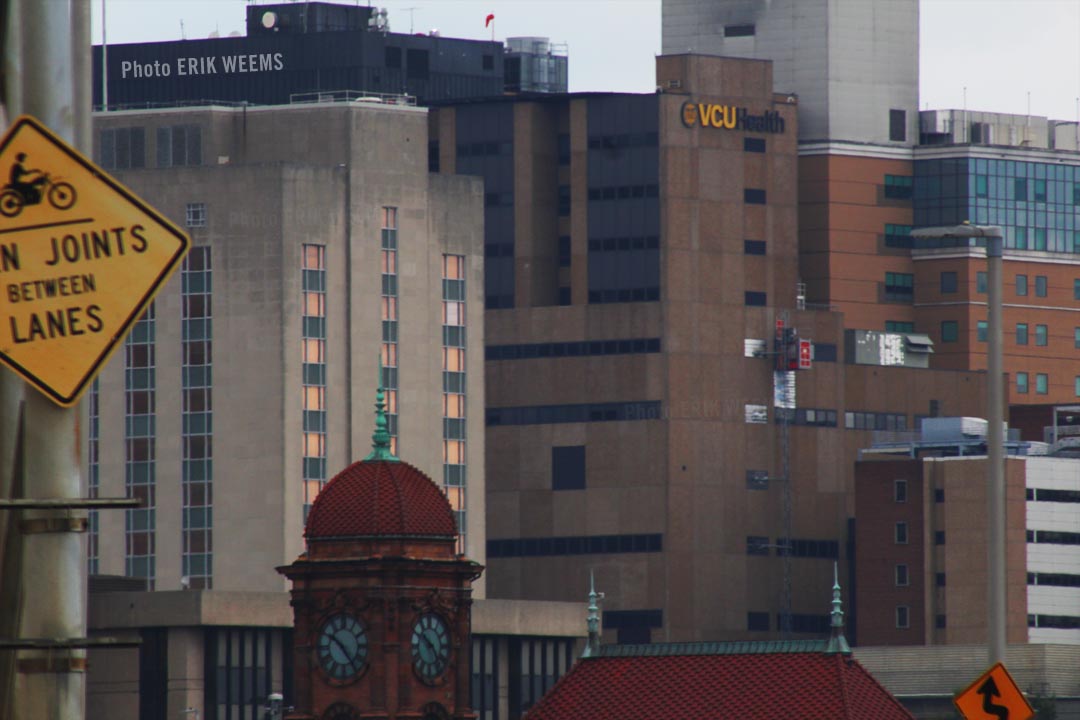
(995, 478)
(49, 587)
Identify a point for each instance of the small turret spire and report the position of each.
(380, 439)
(592, 648)
(837, 642)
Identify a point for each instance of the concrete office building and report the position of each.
(1022, 174)
(866, 179)
(921, 539)
(322, 247)
(849, 61)
(314, 51)
(639, 252)
(854, 67)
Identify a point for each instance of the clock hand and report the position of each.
(344, 652)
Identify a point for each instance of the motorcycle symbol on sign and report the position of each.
(30, 187)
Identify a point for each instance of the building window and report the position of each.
(179, 146)
(898, 236)
(564, 201)
(1020, 239)
(581, 413)
(1076, 289)
(756, 299)
(416, 64)
(981, 186)
(388, 241)
(1040, 286)
(454, 389)
(939, 622)
(980, 282)
(1076, 338)
(1042, 383)
(1040, 239)
(754, 145)
(754, 247)
(950, 331)
(900, 491)
(757, 545)
(948, 282)
(1021, 285)
(939, 537)
(902, 575)
(754, 196)
(939, 495)
(982, 330)
(899, 286)
(565, 256)
(900, 536)
(898, 125)
(757, 621)
(739, 30)
(1021, 334)
(568, 468)
(757, 479)
(140, 468)
(898, 186)
(903, 622)
(313, 356)
(564, 148)
(1076, 386)
(1022, 383)
(939, 579)
(899, 326)
(122, 148)
(1040, 191)
(196, 215)
(1020, 189)
(1041, 335)
(197, 420)
(576, 545)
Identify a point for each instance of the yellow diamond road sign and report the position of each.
(80, 259)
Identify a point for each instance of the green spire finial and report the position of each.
(592, 647)
(837, 642)
(380, 440)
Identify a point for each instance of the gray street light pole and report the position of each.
(995, 490)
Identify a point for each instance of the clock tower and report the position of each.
(381, 604)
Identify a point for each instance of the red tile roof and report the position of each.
(660, 685)
(372, 498)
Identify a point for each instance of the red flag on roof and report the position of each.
(489, 19)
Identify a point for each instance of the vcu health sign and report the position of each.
(80, 259)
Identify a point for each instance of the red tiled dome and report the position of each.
(380, 498)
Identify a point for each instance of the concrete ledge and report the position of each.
(529, 617)
(185, 608)
(941, 670)
(191, 608)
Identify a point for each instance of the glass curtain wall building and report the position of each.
(1036, 203)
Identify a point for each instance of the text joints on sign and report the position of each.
(68, 249)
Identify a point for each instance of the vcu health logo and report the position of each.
(730, 117)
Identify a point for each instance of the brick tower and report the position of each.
(381, 604)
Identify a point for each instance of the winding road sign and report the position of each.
(994, 696)
(80, 259)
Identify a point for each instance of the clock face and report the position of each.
(430, 646)
(342, 646)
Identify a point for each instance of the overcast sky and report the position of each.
(1000, 50)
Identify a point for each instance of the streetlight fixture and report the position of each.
(996, 595)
